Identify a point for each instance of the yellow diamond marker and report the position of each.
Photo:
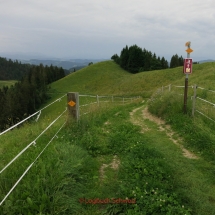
(71, 103)
(189, 50)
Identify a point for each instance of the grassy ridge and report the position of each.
(108, 78)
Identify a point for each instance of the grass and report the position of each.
(7, 83)
(191, 178)
(69, 169)
(107, 78)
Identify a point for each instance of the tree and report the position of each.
(116, 58)
(164, 63)
(135, 60)
(181, 61)
(174, 61)
(124, 56)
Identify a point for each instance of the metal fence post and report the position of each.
(97, 99)
(194, 100)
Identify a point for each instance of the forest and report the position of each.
(135, 59)
(26, 96)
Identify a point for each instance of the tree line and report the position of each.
(26, 96)
(135, 59)
(12, 70)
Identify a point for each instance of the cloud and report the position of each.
(99, 27)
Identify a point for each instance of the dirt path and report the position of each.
(114, 165)
(145, 114)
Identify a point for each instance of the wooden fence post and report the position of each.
(73, 105)
(194, 100)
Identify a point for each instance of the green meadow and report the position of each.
(117, 159)
(7, 83)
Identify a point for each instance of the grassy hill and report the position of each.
(70, 167)
(110, 79)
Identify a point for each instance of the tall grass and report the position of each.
(197, 132)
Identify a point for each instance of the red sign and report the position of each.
(188, 62)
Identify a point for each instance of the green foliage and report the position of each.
(176, 61)
(134, 60)
(26, 96)
(12, 70)
(116, 58)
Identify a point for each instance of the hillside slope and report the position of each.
(109, 78)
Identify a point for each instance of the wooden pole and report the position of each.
(73, 105)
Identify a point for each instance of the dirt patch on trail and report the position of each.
(138, 121)
(163, 127)
(169, 133)
(114, 165)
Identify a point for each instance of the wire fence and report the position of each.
(99, 99)
(200, 103)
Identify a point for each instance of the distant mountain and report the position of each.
(37, 59)
(205, 61)
(65, 64)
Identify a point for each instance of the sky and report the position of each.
(97, 29)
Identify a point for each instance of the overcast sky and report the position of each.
(101, 28)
